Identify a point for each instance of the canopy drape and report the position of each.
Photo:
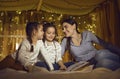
(72, 7)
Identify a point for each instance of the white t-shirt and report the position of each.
(30, 58)
(54, 51)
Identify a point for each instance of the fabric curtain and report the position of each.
(70, 7)
(108, 26)
(18, 5)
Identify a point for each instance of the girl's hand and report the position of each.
(63, 67)
(30, 68)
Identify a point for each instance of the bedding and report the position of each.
(99, 73)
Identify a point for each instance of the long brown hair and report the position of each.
(29, 30)
(71, 22)
(68, 44)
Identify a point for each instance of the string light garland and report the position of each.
(12, 25)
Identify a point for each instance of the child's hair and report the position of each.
(47, 25)
(29, 30)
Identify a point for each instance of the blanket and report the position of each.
(99, 73)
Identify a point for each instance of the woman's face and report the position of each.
(50, 34)
(40, 32)
(68, 29)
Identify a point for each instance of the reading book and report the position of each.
(77, 66)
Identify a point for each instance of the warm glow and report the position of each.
(17, 45)
(13, 32)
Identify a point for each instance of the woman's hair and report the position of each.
(29, 30)
(47, 25)
(71, 22)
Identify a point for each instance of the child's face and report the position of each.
(50, 34)
(40, 32)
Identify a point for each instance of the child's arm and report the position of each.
(62, 66)
(59, 56)
(26, 57)
(46, 57)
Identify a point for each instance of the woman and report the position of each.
(53, 48)
(80, 45)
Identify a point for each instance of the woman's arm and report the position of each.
(87, 56)
(103, 43)
(63, 46)
(109, 46)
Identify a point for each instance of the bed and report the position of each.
(99, 73)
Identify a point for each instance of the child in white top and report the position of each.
(31, 46)
(53, 47)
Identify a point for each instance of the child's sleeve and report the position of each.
(24, 55)
(46, 56)
(58, 52)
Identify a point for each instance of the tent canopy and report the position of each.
(73, 7)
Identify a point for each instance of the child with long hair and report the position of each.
(30, 47)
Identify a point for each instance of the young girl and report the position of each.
(31, 46)
(53, 48)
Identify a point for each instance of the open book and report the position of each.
(77, 66)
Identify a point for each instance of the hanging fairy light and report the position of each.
(52, 15)
(1, 28)
(43, 17)
(18, 12)
(31, 13)
(16, 19)
(26, 20)
(50, 18)
(83, 22)
(16, 46)
(2, 14)
(73, 17)
(79, 17)
(79, 23)
(59, 18)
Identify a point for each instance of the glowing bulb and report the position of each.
(17, 45)
(43, 17)
(52, 15)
